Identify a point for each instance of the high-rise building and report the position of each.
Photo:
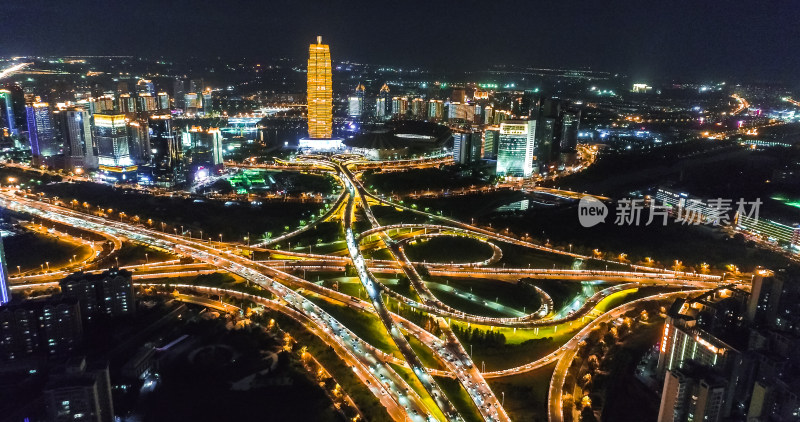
(693, 393)
(435, 110)
(320, 93)
(145, 87)
(515, 148)
(418, 109)
(545, 133)
(113, 147)
(192, 103)
(196, 85)
(207, 104)
(163, 101)
(460, 112)
(383, 109)
(356, 102)
(41, 132)
(7, 112)
(466, 147)
(146, 102)
(50, 326)
(5, 293)
(138, 139)
(491, 143)
(122, 88)
(126, 103)
(102, 104)
(178, 93)
(165, 166)
(399, 106)
(204, 146)
(75, 130)
(570, 122)
(109, 293)
(79, 392)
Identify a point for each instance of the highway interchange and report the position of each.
(289, 294)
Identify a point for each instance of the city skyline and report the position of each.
(681, 40)
(313, 237)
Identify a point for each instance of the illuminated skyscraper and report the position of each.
(7, 111)
(111, 135)
(356, 102)
(163, 101)
(515, 148)
(384, 103)
(207, 102)
(145, 87)
(76, 137)
(41, 132)
(320, 93)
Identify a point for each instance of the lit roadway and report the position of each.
(370, 364)
(413, 407)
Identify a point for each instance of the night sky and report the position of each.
(698, 39)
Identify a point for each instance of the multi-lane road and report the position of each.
(403, 398)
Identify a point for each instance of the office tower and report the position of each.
(435, 110)
(49, 326)
(5, 293)
(570, 121)
(545, 133)
(7, 112)
(145, 87)
(418, 109)
(491, 143)
(75, 130)
(165, 166)
(79, 392)
(178, 93)
(486, 115)
(320, 94)
(380, 108)
(196, 85)
(356, 102)
(383, 109)
(138, 140)
(204, 146)
(515, 148)
(207, 104)
(192, 103)
(163, 101)
(41, 132)
(111, 138)
(126, 103)
(466, 147)
(109, 293)
(146, 102)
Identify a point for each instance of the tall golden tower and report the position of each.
(320, 94)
